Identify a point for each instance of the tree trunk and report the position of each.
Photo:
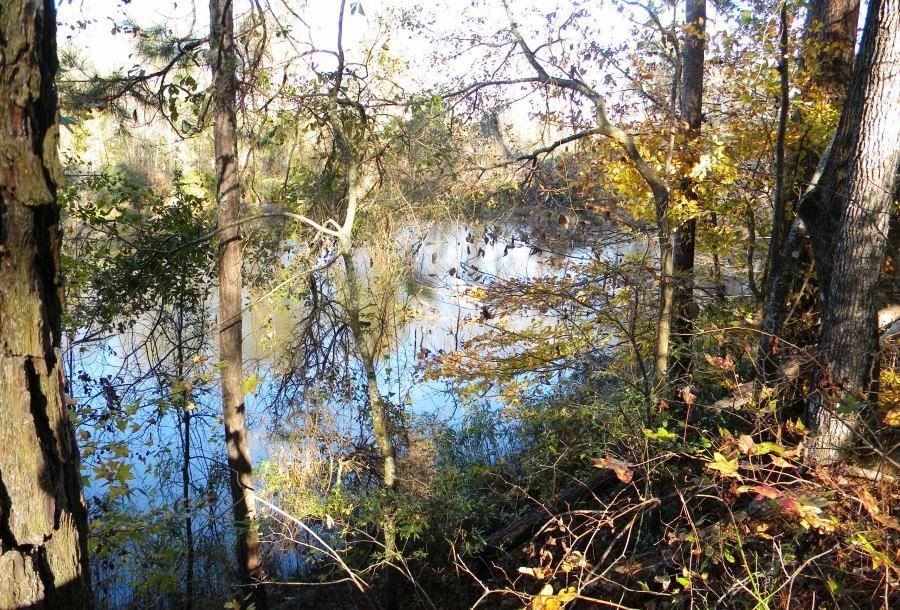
(889, 284)
(857, 182)
(779, 212)
(380, 422)
(228, 198)
(829, 44)
(43, 521)
(782, 279)
(185, 412)
(830, 35)
(829, 41)
(691, 110)
(666, 298)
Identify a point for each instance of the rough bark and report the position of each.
(691, 106)
(833, 21)
(228, 197)
(43, 522)
(831, 38)
(826, 58)
(858, 182)
(821, 210)
(830, 34)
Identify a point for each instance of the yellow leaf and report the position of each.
(780, 462)
(567, 595)
(533, 572)
(251, 384)
(726, 467)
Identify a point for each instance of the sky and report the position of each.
(87, 25)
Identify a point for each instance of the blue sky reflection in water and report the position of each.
(446, 260)
(442, 263)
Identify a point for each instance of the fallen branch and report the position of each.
(360, 583)
(519, 531)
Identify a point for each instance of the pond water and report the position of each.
(439, 311)
(439, 314)
(440, 265)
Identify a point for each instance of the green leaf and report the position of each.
(123, 474)
(768, 447)
(660, 434)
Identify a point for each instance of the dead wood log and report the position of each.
(522, 529)
(788, 373)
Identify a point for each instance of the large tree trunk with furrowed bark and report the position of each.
(228, 197)
(43, 522)
(856, 187)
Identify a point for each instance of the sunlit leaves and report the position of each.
(130, 241)
(622, 469)
(724, 466)
(661, 434)
(251, 384)
(548, 600)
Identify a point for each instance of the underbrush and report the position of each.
(595, 497)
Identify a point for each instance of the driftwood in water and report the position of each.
(520, 531)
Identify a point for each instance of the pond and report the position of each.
(442, 262)
(435, 310)
(436, 307)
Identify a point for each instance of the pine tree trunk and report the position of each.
(691, 110)
(228, 197)
(43, 521)
(857, 182)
